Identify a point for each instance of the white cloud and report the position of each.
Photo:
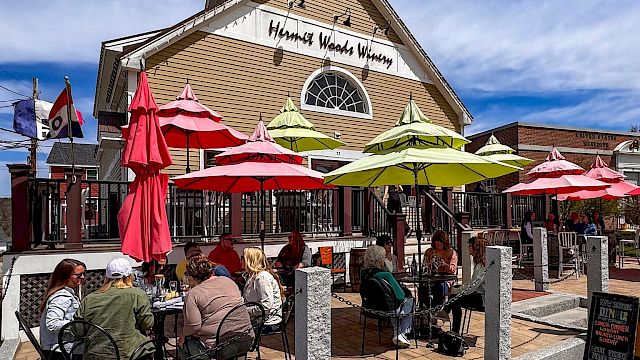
(530, 45)
(71, 31)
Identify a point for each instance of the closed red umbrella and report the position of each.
(259, 165)
(186, 123)
(142, 220)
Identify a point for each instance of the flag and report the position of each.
(31, 118)
(59, 120)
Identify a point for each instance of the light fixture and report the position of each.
(347, 13)
(384, 29)
(300, 3)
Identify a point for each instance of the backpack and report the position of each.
(377, 294)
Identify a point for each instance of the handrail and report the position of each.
(380, 203)
(447, 211)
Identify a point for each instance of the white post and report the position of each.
(540, 259)
(313, 314)
(597, 265)
(467, 266)
(497, 304)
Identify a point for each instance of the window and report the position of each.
(336, 91)
(92, 174)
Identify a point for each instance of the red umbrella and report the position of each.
(556, 176)
(142, 220)
(600, 171)
(187, 123)
(259, 165)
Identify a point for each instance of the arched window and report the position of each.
(336, 91)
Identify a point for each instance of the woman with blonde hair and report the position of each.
(263, 287)
(119, 308)
(59, 304)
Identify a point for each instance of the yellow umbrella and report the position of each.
(291, 130)
(414, 130)
(494, 150)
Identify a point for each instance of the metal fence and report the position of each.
(485, 210)
(521, 204)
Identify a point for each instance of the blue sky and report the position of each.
(572, 62)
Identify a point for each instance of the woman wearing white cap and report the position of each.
(119, 308)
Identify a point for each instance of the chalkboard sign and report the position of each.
(612, 327)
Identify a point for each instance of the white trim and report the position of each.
(350, 76)
(563, 149)
(78, 166)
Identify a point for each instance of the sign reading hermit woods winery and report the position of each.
(613, 320)
(325, 42)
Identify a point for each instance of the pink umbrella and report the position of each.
(259, 165)
(600, 171)
(187, 123)
(142, 220)
(556, 176)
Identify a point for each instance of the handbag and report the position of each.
(452, 344)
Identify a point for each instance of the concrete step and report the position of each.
(572, 317)
(547, 305)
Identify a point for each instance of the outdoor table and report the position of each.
(159, 316)
(426, 281)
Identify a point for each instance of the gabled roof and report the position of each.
(84, 154)
(133, 56)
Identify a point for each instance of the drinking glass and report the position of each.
(173, 286)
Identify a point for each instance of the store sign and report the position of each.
(591, 139)
(613, 320)
(326, 41)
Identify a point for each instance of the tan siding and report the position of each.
(364, 14)
(241, 80)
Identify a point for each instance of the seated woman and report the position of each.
(208, 301)
(59, 304)
(590, 227)
(474, 295)
(376, 257)
(145, 277)
(391, 261)
(550, 223)
(119, 308)
(526, 227)
(296, 254)
(263, 287)
(443, 259)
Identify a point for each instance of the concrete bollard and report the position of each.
(497, 304)
(598, 265)
(540, 259)
(313, 314)
(467, 265)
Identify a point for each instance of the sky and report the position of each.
(571, 62)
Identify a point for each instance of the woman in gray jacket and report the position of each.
(59, 304)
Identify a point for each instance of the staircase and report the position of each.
(559, 310)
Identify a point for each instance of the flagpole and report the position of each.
(33, 161)
(67, 85)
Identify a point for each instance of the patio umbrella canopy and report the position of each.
(600, 171)
(291, 130)
(142, 220)
(414, 130)
(494, 150)
(186, 123)
(556, 176)
(258, 165)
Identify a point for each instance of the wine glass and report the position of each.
(173, 286)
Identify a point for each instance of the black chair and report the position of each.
(379, 303)
(466, 316)
(287, 309)
(141, 352)
(231, 345)
(32, 339)
(83, 337)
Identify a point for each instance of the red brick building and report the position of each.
(579, 145)
(84, 157)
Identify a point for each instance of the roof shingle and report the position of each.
(84, 154)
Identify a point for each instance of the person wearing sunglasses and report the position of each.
(59, 304)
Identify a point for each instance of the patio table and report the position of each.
(159, 315)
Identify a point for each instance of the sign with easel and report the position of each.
(613, 321)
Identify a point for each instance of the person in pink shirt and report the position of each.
(225, 254)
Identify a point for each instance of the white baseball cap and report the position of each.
(118, 268)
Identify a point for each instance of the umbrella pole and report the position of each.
(418, 230)
(188, 168)
(262, 214)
